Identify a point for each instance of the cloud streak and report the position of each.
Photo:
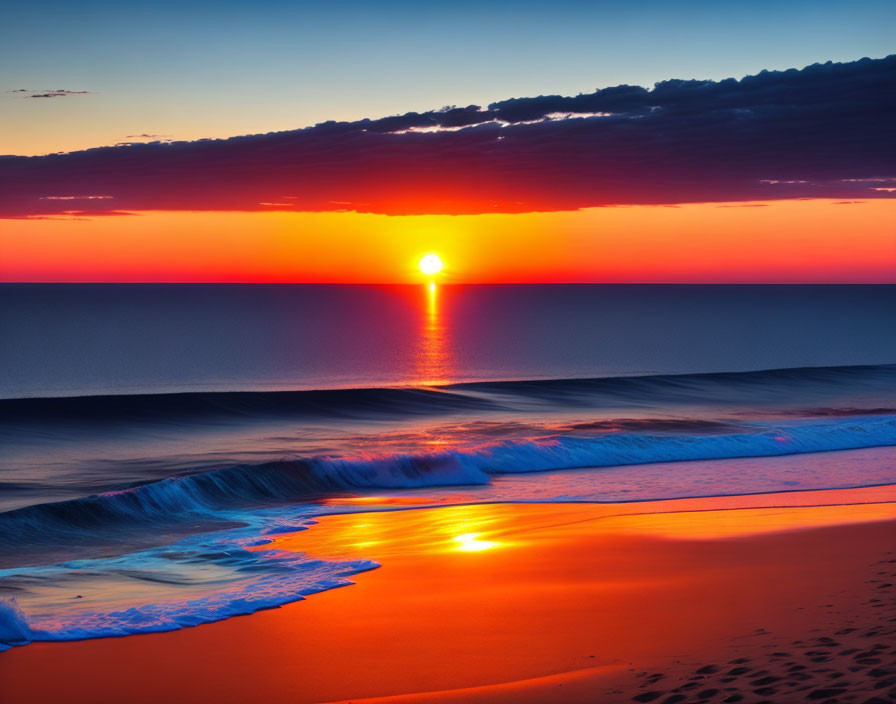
(151, 137)
(828, 130)
(59, 93)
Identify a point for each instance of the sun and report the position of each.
(430, 264)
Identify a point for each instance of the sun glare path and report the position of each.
(434, 360)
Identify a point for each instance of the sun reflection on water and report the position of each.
(434, 362)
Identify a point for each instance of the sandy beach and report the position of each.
(448, 353)
(776, 597)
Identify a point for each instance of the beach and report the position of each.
(578, 389)
(773, 597)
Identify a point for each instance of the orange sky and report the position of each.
(783, 241)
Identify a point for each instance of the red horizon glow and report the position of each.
(797, 241)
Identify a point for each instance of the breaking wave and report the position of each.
(208, 494)
(190, 548)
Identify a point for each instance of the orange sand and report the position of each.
(505, 602)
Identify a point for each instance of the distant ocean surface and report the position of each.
(151, 436)
(72, 340)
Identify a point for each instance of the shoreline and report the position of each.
(529, 602)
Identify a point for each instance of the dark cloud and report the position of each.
(58, 93)
(828, 130)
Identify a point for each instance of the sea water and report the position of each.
(154, 437)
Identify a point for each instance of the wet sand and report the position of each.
(777, 598)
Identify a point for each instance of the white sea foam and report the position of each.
(14, 629)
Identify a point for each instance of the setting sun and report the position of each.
(430, 264)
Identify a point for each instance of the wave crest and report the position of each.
(766, 386)
(14, 629)
(210, 494)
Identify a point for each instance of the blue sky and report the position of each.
(199, 69)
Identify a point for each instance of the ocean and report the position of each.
(153, 437)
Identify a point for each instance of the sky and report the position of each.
(623, 184)
(793, 241)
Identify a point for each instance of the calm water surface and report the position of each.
(62, 340)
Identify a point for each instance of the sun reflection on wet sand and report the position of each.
(434, 361)
(450, 529)
(496, 529)
(471, 542)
